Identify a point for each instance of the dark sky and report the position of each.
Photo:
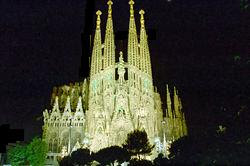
(197, 45)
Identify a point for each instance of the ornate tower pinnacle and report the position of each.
(176, 104)
(145, 64)
(131, 3)
(98, 21)
(121, 68)
(133, 54)
(121, 57)
(79, 105)
(96, 61)
(169, 104)
(142, 12)
(67, 106)
(56, 105)
(110, 3)
(109, 43)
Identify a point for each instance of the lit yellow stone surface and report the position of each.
(103, 109)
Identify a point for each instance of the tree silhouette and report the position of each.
(136, 162)
(81, 157)
(137, 144)
(66, 161)
(161, 160)
(228, 144)
(112, 154)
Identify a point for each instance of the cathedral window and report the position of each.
(50, 146)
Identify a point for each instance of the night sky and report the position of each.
(201, 46)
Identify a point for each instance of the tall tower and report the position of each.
(109, 44)
(108, 75)
(145, 64)
(96, 61)
(96, 117)
(133, 51)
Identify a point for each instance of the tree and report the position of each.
(66, 161)
(137, 144)
(136, 162)
(112, 154)
(34, 153)
(81, 157)
(17, 155)
(37, 152)
(161, 160)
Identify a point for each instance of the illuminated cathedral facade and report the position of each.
(117, 98)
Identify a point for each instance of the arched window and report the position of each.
(54, 148)
(64, 139)
(50, 145)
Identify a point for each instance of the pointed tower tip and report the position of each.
(56, 99)
(110, 3)
(142, 12)
(131, 3)
(98, 21)
(56, 105)
(167, 88)
(67, 105)
(79, 104)
(98, 13)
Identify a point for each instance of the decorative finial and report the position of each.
(110, 3)
(142, 17)
(56, 105)
(121, 56)
(98, 21)
(131, 3)
(121, 70)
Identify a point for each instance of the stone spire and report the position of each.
(133, 58)
(96, 61)
(180, 103)
(79, 105)
(67, 107)
(169, 104)
(56, 105)
(176, 104)
(145, 63)
(109, 43)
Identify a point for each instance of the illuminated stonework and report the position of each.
(116, 99)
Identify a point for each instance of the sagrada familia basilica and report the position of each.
(117, 98)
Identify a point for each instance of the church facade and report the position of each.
(117, 98)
